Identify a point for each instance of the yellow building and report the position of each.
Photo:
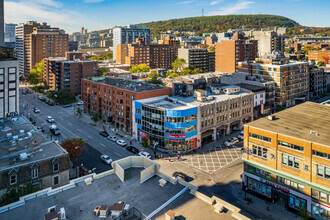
(287, 158)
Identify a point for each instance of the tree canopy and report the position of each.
(141, 68)
(178, 64)
(107, 56)
(35, 75)
(74, 147)
(62, 96)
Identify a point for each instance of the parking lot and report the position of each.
(215, 159)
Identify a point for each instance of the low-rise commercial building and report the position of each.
(112, 98)
(67, 72)
(27, 156)
(287, 160)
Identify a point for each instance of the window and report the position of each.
(292, 146)
(323, 197)
(56, 180)
(34, 173)
(323, 171)
(321, 154)
(290, 161)
(56, 167)
(262, 138)
(13, 179)
(315, 194)
(259, 151)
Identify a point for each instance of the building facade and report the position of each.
(319, 56)
(291, 78)
(43, 43)
(67, 72)
(166, 122)
(113, 98)
(287, 161)
(229, 52)
(268, 42)
(317, 82)
(196, 57)
(10, 32)
(128, 35)
(9, 87)
(20, 32)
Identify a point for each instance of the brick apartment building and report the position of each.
(67, 72)
(229, 52)
(112, 98)
(153, 55)
(291, 78)
(43, 43)
(198, 57)
(21, 31)
(287, 160)
(319, 56)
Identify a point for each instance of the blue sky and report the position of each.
(70, 15)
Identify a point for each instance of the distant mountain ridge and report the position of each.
(219, 23)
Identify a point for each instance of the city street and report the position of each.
(72, 127)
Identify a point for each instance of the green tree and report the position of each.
(211, 48)
(103, 70)
(141, 68)
(172, 74)
(16, 191)
(35, 75)
(95, 117)
(178, 64)
(62, 96)
(155, 80)
(145, 143)
(313, 61)
(288, 50)
(191, 70)
(74, 147)
(153, 74)
(320, 63)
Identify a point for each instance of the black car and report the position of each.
(50, 103)
(41, 98)
(104, 133)
(132, 149)
(180, 175)
(28, 91)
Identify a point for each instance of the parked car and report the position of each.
(240, 137)
(104, 133)
(227, 143)
(145, 154)
(121, 143)
(132, 149)
(113, 138)
(233, 140)
(50, 103)
(106, 159)
(42, 98)
(67, 106)
(83, 170)
(28, 91)
(36, 110)
(41, 129)
(50, 119)
(80, 103)
(180, 175)
(23, 91)
(54, 129)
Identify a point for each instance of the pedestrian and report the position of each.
(178, 156)
(169, 159)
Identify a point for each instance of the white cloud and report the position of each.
(93, 1)
(185, 2)
(50, 11)
(234, 9)
(215, 2)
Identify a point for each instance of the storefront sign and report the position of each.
(175, 140)
(275, 186)
(176, 135)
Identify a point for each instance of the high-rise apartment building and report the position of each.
(287, 159)
(153, 55)
(43, 43)
(128, 35)
(9, 84)
(291, 78)
(10, 32)
(268, 42)
(229, 52)
(67, 72)
(2, 23)
(196, 57)
(20, 32)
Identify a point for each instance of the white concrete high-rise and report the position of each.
(128, 35)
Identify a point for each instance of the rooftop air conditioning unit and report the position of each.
(23, 156)
(9, 135)
(15, 138)
(271, 117)
(314, 133)
(29, 134)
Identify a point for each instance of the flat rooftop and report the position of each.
(298, 121)
(80, 201)
(22, 135)
(165, 102)
(216, 97)
(126, 84)
(250, 87)
(119, 71)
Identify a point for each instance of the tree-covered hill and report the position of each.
(220, 23)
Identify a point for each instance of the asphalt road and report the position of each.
(70, 127)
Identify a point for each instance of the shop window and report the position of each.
(319, 213)
(315, 194)
(323, 197)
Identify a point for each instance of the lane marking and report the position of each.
(218, 159)
(89, 137)
(102, 144)
(69, 124)
(78, 130)
(206, 163)
(224, 155)
(118, 154)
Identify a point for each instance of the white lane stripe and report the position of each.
(89, 137)
(78, 130)
(117, 154)
(102, 144)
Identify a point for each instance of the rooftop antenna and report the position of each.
(202, 12)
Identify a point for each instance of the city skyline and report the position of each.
(71, 15)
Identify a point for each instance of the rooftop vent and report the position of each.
(314, 133)
(9, 136)
(29, 134)
(271, 117)
(23, 156)
(21, 132)
(15, 138)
